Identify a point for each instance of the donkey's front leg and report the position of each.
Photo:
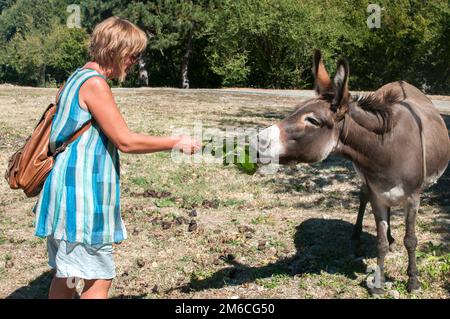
(357, 228)
(410, 240)
(381, 216)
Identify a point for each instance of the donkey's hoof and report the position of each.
(357, 248)
(413, 285)
(392, 246)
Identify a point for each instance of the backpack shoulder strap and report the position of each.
(58, 95)
(86, 125)
(74, 136)
(77, 133)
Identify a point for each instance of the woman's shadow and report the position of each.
(37, 288)
(321, 245)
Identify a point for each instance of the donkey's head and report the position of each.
(311, 133)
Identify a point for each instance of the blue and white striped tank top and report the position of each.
(80, 199)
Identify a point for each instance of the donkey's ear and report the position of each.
(322, 83)
(341, 92)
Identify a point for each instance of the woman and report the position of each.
(78, 209)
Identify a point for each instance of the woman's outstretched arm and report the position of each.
(97, 96)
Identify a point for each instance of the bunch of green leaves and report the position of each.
(235, 153)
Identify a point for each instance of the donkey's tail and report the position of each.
(424, 156)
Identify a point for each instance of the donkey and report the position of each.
(396, 139)
(143, 74)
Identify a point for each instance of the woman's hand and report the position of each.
(188, 145)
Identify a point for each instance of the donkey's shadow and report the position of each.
(321, 245)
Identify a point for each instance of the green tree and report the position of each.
(173, 26)
(26, 56)
(95, 11)
(5, 4)
(267, 43)
(67, 50)
(38, 58)
(24, 16)
(412, 44)
(260, 43)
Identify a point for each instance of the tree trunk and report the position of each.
(185, 62)
(42, 80)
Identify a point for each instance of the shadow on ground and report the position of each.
(39, 288)
(36, 289)
(313, 178)
(321, 244)
(258, 117)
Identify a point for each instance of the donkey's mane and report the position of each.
(381, 106)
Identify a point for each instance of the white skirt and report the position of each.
(77, 260)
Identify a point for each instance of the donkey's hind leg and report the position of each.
(357, 228)
(410, 241)
(391, 239)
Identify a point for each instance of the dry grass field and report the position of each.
(211, 231)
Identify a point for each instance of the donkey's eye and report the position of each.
(313, 121)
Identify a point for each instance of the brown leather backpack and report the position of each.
(29, 166)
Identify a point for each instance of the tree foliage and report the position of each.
(252, 43)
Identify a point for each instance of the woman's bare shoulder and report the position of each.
(94, 89)
(94, 86)
(96, 83)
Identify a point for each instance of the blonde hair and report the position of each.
(113, 40)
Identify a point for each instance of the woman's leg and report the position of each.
(96, 289)
(59, 289)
